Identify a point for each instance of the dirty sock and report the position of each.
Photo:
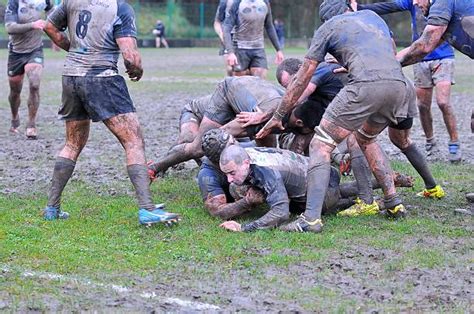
(318, 181)
(141, 181)
(63, 169)
(418, 161)
(362, 175)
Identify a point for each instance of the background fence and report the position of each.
(195, 18)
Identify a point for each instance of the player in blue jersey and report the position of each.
(435, 70)
(98, 32)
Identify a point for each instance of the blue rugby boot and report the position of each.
(149, 217)
(53, 213)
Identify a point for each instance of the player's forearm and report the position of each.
(16, 28)
(275, 217)
(271, 32)
(59, 38)
(228, 210)
(381, 8)
(296, 88)
(132, 59)
(218, 30)
(429, 40)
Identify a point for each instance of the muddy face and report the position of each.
(236, 173)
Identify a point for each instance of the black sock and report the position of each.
(418, 161)
(63, 169)
(139, 176)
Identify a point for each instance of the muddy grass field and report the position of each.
(102, 260)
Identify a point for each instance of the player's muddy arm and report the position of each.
(17, 28)
(218, 207)
(131, 57)
(59, 38)
(178, 154)
(429, 40)
(296, 88)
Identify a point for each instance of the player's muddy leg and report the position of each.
(186, 151)
(380, 165)
(33, 72)
(16, 84)
(443, 95)
(77, 133)
(188, 132)
(423, 98)
(326, 138)
(361, 170)
(260, 72)
(127, 130)
(401, 139)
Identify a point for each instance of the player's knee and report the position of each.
(364, 138)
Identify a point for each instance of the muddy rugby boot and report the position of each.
(396, 212)
(31, 133)
(53, 213)
(301, 224)
(455, 155)
(149, 217)
(436, 192)
(360, 208)
(15, 124)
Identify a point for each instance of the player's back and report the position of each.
(93, 27)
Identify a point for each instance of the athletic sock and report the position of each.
(418, 161)
(141, 181)
(363, 176)
(63, 169)
(318, 181)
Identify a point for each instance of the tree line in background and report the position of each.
(194, 18)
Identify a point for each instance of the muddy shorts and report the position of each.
(429, 73)
(212, 181)
(94, 98)
(17, 61)
(251, 58)
(187, 115)
(379, 102)
(412, 111)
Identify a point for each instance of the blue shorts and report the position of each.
(212, 181)
(94, 98)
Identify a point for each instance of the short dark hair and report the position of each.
(290, 65)
(310, 112)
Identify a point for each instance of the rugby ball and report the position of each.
(156, 32)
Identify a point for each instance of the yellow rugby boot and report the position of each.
(360, 208)
(436, 192)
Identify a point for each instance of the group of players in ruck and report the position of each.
(330, 106)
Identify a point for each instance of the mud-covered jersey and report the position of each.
(23, 12)
(250, 18)
(418, 23)
(328, 84)
(458, 16)
(361, 43)
(222, 9)
(282, 176)
(93, 27)
(198, 106)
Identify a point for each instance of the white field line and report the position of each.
(117, 288)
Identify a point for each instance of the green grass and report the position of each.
(103, 243)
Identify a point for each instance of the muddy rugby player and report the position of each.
(25, 56)
(248, 19)
(435, 71)
(93, 90)
(232, 96)
(323, 88)
(377, 94)
(225, 199)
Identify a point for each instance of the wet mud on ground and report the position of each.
(26, 168)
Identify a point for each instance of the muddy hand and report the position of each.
(249, 118)
(231, 226)
(269, 126)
